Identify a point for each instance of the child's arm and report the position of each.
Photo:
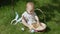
(36, 17)
(24, 21)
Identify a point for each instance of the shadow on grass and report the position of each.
(47, 29)
(49, 11)
(12, 2)
(7, 2)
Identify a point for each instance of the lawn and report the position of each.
(51, 9)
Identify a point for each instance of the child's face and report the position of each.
(30, 8)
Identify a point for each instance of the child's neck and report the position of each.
(30, 13)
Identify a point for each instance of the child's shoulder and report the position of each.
(24, 13)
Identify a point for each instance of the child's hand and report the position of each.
(31, 27)
(39, 24)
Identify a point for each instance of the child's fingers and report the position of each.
(31, 27)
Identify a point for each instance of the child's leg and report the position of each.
(31, 27)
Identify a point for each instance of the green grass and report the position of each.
(51, 9)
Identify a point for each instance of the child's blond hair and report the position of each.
(30, 3)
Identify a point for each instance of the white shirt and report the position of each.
(30, 18)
